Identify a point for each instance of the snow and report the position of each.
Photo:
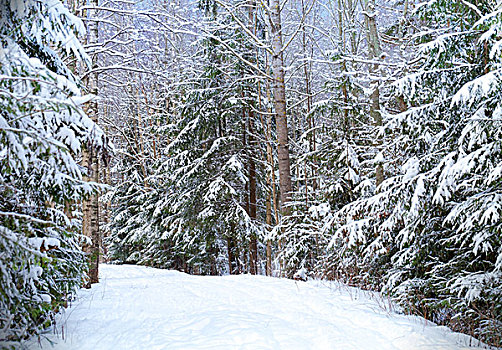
(42, 298)
(319, 211)
(300, 274)
(379, 159)
(411, 168)
(46, 242)
(135, 307)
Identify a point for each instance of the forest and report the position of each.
(350, 140)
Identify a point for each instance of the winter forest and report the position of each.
(350, 140)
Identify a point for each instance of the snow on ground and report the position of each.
(137, 307)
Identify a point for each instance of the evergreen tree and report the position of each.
(42, 131)
(193, 214)
(437, 224)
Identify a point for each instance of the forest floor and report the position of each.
(135, 307)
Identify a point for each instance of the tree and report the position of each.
(42, 132)
(374, 53)
(436, 226)
(279, 93)
(90, 207)
(196, 214)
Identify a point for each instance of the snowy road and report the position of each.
(144, 308)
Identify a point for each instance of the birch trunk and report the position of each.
(91, 206)
(279, 93)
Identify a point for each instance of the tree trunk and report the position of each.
(307, 70)
(279, 93)
(91, 206)
(253, 246)
(268, 271)
(271, 197)
(375, 52)
(230, 252)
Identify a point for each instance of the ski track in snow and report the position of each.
(135, 307)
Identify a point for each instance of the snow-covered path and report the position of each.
(137, 307)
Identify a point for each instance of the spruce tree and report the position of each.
(42, 131)
(431, 234)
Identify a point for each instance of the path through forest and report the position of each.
(137, 307)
